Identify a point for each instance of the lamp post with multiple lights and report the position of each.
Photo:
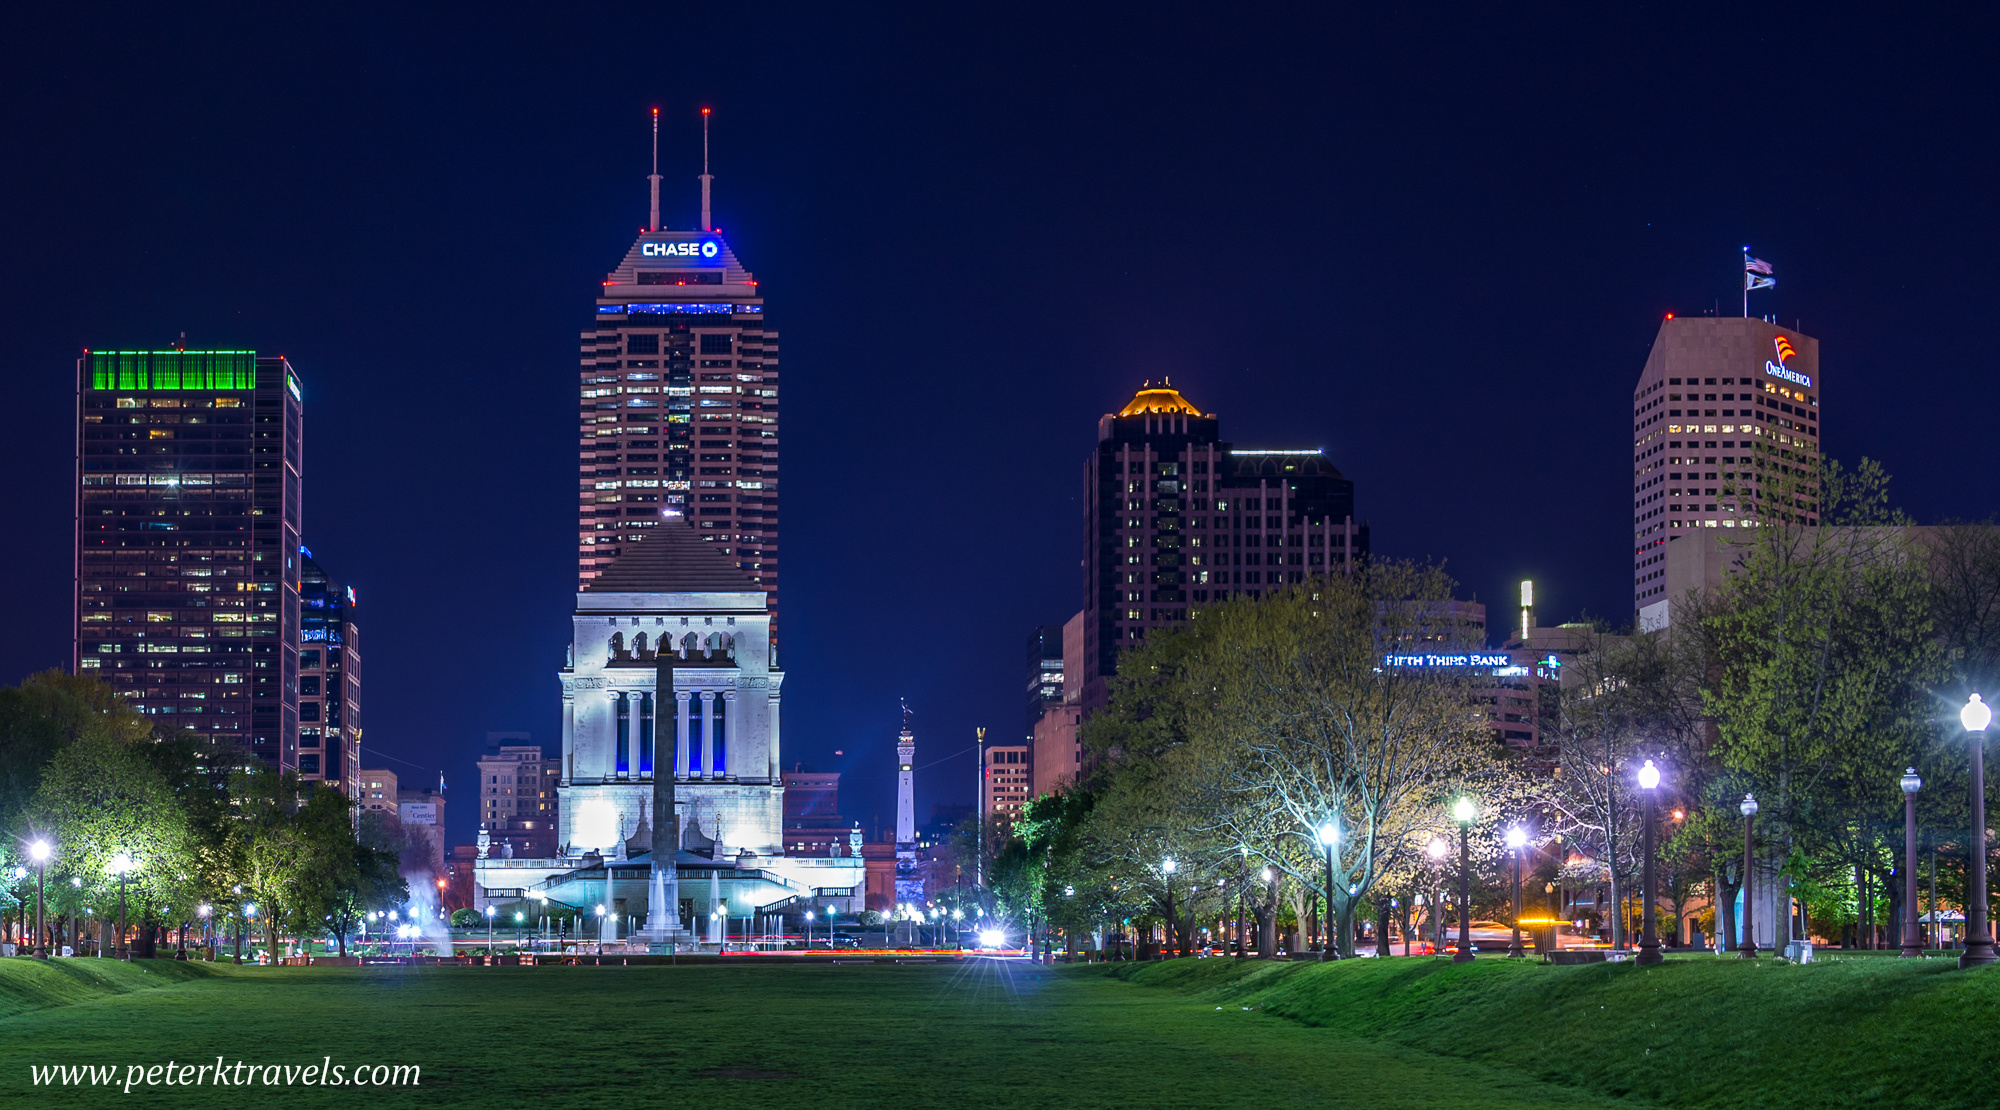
(1649, 941)
(1463, 811)
(1329, 837)
(1913, 938)
(1978, 926)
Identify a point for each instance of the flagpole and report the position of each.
(1746, 283)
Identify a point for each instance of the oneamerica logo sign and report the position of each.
(704, 249)
(1779, 370)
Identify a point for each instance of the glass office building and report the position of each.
(188, 471)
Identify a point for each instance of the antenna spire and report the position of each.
(653, 179)
(706, 177)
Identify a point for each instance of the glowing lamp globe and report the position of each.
(1910, 782)
(1649, 776)
(1749, 806)
(1517, 838)
(1976, 715)
(1436, 848)
(1329, 834)
(1463, 811)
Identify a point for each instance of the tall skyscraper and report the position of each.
(679, 408)
(1724, 407)
(329, 680)
(1175, 517)
(188, 474)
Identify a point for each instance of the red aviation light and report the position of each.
(1670, 315)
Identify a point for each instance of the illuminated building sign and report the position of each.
(706, 248)
(292, 384)
(1778, 369)
(172, 369)
(1461, 659)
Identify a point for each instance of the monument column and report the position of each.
(681, 718)
(663, 888)
(708, 720)
(732, 732)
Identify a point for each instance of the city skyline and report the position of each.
(1455, 340)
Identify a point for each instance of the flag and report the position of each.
(1752, 282)
(1755, 265)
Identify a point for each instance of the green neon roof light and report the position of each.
(154, 370)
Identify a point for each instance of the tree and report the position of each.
(100, 799)
(1823, 652)
(1312, 720)
(296, 844)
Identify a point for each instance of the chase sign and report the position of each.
(705, 248)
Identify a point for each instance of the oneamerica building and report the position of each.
(1718, 396)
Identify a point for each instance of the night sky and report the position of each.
(1436, 245)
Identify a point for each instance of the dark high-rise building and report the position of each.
(679, 409)
(1175, 518)
(187, 556)
(329, 680)
(1045, 672)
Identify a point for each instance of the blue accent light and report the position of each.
(721, 737)
(688, 308)
(645, 734)
(624, 736)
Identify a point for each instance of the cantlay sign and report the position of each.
(706, 248)
(1778, 369)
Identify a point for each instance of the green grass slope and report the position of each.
(1692, 1033)
(986, 1035)
(29, 984)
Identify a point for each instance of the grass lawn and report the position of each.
(1857, 1034)
(978, 1035)
(1862, 1031)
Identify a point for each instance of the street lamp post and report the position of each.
(39, 852)
(1978, 927)
(1437, 849)
(1913, 938)
(1463, 811)
(1649, 941)
(121, 866)
(490, 911)
(1329, 837)
(1749, 810)
(1167, 948)
(1517, 839)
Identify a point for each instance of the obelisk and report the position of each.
(663, 900)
